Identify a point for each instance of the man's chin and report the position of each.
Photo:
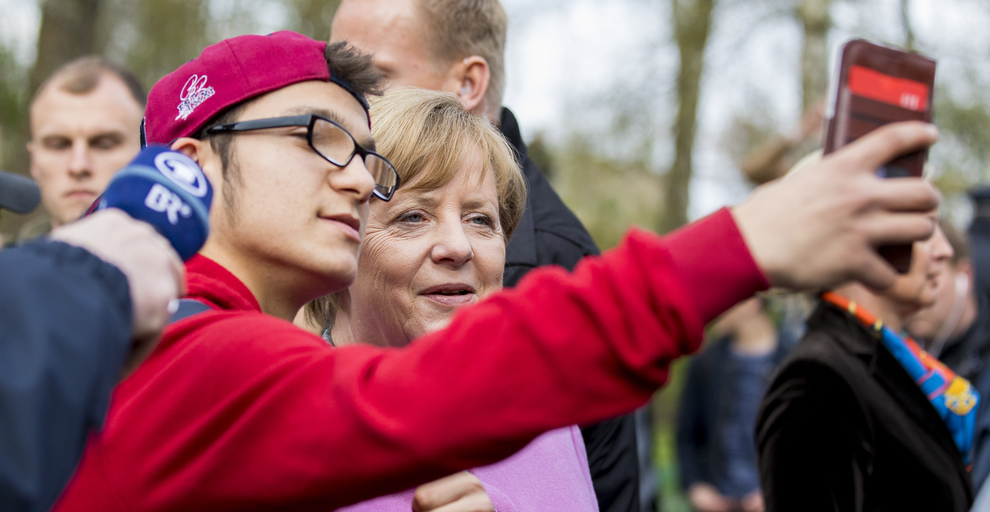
(71, 213)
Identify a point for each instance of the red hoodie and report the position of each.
(238, 410)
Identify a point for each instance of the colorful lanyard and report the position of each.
(953, 397)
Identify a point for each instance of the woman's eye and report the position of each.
(411, 217)
(482, 220)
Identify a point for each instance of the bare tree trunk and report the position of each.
(816, 20)
(68, 30)
(906, 22)
(692, 22)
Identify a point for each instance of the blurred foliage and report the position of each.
(153, 38)
(13, 98)
(606, 194)
(540, 153)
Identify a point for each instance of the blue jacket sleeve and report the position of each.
(65, 324)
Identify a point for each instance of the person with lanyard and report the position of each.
(858, 416)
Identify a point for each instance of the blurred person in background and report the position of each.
(979, 239)
(781, 152)
(717, 414)
(437, 246)
(956, 330)
(851, 422)
(85, 125)
(459, 47)
(956, 327)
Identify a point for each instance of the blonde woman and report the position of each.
(437, 246)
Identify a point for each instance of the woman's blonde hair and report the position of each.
(427, 135)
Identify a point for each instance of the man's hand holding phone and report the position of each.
(820, 226)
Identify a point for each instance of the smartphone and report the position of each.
(871, 86)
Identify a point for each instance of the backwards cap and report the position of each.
(228, 73)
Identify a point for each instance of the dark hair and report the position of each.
(354, 67)
(345, 63)
(83, 75)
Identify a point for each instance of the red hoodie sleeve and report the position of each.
(242, 411)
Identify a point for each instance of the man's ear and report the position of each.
(474, 75)
(202, 153)
(966, 266)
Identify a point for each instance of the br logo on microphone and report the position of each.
(183, 172)
(162, 200)
(167, 190)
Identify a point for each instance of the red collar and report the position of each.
(209, 282)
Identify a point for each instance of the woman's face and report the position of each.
(919, 286)
(425, 254)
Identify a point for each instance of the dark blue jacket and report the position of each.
(550, 234)
(65, 330)
(704, 409)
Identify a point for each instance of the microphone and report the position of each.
(18, 193)
(167, 190)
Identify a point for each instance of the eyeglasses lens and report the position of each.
(386, 179)
(337, 146)
(332, 142)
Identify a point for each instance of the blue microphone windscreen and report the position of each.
(167, 190)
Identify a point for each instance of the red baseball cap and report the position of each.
(227, 73)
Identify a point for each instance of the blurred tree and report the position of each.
(13, 122)
(606, 193)
(816, 22)
(906, 23)
(153, 37)
(692, 21)
(313, 17)
(540, 153)
(68, 30)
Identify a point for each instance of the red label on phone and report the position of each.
(900, 92)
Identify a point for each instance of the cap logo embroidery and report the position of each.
(194, 92)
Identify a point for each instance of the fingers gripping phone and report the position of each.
(874, 85)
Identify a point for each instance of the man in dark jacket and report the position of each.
(74, 310)
(845, 426)
(956, 330)
(979, 238)
(459, 47)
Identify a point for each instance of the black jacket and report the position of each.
(550, 234)
(65, 330)
(705, 406)
(843, 427)
(979, 243)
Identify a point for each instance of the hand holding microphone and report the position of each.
(167, 190)
(163, 191)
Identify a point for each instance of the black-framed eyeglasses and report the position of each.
(332, 142)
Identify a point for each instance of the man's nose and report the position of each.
(80, 161)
